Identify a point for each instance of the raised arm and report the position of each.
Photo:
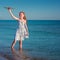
(12, 15)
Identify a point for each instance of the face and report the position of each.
(21, 15)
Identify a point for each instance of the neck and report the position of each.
(21, 18)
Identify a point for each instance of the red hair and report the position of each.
(24, 15)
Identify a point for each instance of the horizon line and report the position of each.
(32, 19)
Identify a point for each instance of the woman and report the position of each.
(22, 31)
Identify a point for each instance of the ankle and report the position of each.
(20, 46)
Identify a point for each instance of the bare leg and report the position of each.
(13, 44)
(20, 44)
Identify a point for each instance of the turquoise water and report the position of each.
(44, 37)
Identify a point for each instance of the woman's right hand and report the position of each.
(9, 8)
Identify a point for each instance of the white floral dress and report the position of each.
(21, 32)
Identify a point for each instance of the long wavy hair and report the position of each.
(24, 15)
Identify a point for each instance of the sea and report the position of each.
(43, 42)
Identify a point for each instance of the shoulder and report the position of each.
(24, 21)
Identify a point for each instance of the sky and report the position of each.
(34, 9)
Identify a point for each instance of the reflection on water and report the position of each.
(19, 55)
(13, 54)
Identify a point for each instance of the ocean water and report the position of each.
(43, 41)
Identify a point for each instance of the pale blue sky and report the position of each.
(34, 9)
